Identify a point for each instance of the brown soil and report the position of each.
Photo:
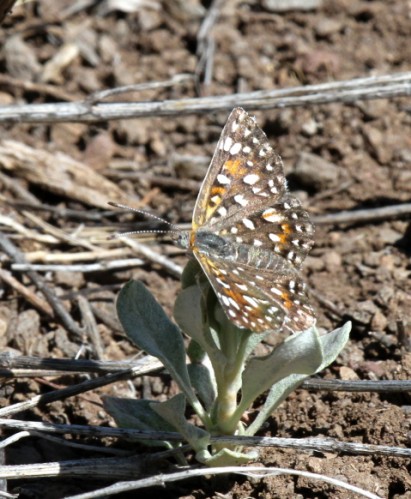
(362, 269)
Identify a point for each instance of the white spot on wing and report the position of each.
(248, 223)
(243, 287)
(223, 179)
(234, 126)
(272, 216)
(234, 303)
(222, 283)
(251, 301)
(251, 179)
(228, 142)
(236, 148)
(240, 199)
(274, 237)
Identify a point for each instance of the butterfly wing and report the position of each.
(244, 200)
(260, 300)
(245, 173)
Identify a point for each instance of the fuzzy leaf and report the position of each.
(332, 344)
(301, 354)
(147, 325)
(137, 414)
(204, 384)
(190, 316)
(173, 411)
(228, 457)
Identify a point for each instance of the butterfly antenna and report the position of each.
(172, 230)
(141, 212)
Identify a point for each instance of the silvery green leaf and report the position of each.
(190, 316)
(228, 457)
(203, 381)
(192, 273)
(173, 411)
(332, 344)
(300, 354)
(137, 414)
(147, 325)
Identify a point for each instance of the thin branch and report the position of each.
(375, 87)
(18, 366)
(300, 444)
(206, 42)
(70, 391)
(139, 87)
(12, 366)
(368, 386)
(154, 257)
(90, 326)
(17, 256)
(28, 294)
(91, 267)
(80, 256)
(358, 216)
(159, 480)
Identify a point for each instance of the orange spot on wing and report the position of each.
(235, 167)
(287, 230)
(288, 304)
(217, 191)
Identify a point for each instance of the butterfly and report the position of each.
(249, 234)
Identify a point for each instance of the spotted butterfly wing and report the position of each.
(249, 234)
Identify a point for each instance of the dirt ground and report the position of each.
(55, 52)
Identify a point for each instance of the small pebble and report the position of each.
(315, 172)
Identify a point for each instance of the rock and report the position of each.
(364, 312)
(315, 172)
(332, 261)
(314, 264)
(402, 180)
(21, 59)
(346, 373)
(326, 27)
(379, 321)
(310, 128)
(384, 295)
(376, 144)
(99, 151)
(388, 235)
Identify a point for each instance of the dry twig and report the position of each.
(375, 87)
(359, 216)
(14, 254)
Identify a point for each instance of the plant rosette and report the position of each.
(223, 376)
